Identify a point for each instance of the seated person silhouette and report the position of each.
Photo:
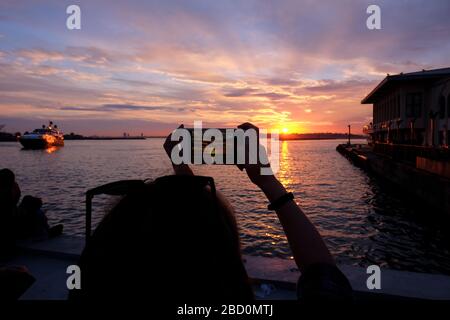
(31, 221)
(27, 220)
(14, 280)
(9, 197)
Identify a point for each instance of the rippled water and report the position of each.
(362, 220)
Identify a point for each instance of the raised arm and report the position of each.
(305, 241)
(181, 169)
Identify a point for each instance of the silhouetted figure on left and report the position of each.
(26, 221)
(9, 197)
(14, 280)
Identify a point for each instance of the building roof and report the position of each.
(391, 80)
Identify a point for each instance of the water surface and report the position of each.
(362, 221)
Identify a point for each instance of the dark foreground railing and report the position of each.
(117, 188)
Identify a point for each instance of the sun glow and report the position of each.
(287, 128)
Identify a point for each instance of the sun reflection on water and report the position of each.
(285, 171)
(51, 149)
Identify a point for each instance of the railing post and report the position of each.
(349, 134)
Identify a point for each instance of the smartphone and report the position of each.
(225, 146)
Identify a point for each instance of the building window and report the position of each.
(414, 104)
(441, 107)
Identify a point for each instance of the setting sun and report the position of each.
(287, 128)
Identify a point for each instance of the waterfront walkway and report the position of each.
(274, 278)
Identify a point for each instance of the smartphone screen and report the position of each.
(226, 146)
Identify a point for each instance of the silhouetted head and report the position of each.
(31, 204)
(7, 178)
(9, 189)
(173, 238)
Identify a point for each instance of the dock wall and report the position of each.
(441, 168)
(431, 188)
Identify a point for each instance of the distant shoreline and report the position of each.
(283, 137)
(104, 138)
(358, 137)
(156, 137)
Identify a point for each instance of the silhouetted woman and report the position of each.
(176, 238)
(9, 197)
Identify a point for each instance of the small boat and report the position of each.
(46, 137)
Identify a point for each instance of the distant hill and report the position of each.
(6, 136)
(292, 136)
(319, 136)
(73, 136)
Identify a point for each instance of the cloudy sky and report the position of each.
(145, 66)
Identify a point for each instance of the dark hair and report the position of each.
(7, 179)
(31, 204)
(9, 196)
(173, 238)
(9, 190)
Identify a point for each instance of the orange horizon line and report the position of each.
(165, 135)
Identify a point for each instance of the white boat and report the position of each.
(46, 137)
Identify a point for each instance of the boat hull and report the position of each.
(40, 143)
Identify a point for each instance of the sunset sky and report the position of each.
(146, 66)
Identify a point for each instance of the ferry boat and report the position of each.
(46, 137)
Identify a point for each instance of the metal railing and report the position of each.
(117, 188)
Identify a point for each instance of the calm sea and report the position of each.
(363, 221)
